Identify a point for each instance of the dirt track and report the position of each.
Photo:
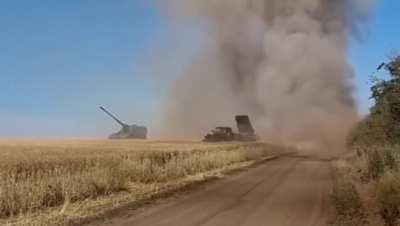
(291, 191)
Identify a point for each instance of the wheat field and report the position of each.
(40, 180)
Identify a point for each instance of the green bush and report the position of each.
(382, 125)
(377, 141)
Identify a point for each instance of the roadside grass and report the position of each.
(374, 143)
(348, 204)
(367, 188)
(38, 178)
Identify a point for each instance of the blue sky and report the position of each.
(60, 60)
(380, 41)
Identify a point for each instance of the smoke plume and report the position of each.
(282, 62)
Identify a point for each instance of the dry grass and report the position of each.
(367, 188)
(40, 177)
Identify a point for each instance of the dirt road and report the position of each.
(290, 191)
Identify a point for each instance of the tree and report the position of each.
(382, 125)
(386, 93)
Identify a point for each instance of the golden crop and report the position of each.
(36, 175)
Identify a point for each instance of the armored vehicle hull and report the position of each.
(220, 134)
(130, 132)
(223, 134)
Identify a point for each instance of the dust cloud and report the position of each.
(282, 62)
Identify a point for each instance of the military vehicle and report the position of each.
(246, 130)
(222, 134)
(127, 131)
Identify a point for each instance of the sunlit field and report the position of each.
(56, 182)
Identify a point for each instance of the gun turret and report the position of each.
(113, 117)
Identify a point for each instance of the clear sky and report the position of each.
(380, 41)
(60, 60)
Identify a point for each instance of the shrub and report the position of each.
(388, 198)
(376, 164)
(389, 157)
(376, 140)
(382, 125)
(372, 162)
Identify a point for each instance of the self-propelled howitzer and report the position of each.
(127, 131)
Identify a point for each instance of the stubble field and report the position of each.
(66, 182)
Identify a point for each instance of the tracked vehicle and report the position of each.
(223, 134)
(127, 131)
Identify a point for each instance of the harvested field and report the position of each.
(61, 182)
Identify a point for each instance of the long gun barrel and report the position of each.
(112, 116)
